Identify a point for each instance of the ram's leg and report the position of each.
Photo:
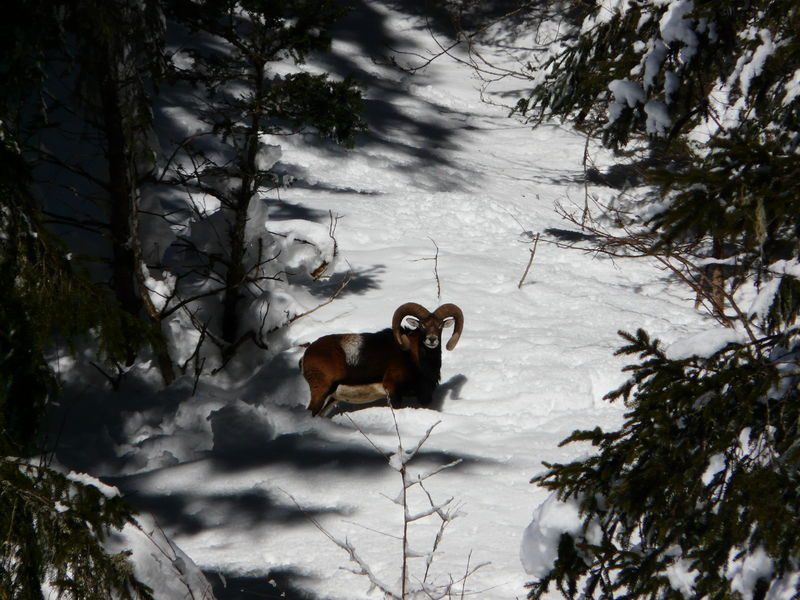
(425, 393)
(393, 393)
(321, 389)
(328, 407)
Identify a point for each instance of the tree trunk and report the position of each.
(127, 277)
(237, 272)
(123, 274)
(717, 280)
(711, 287)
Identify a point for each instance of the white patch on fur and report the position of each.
(351, 344)
(360, 394)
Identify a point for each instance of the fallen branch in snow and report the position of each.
(586, 180)
(532, 250)
(339, 290)
(435, 260)
(345, 545)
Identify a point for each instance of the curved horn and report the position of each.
(409, 309)
(451, 310)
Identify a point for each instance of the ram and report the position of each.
(392, 363)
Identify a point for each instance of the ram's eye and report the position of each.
(448, 323)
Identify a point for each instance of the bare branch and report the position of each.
(530, 261)
(363, 567)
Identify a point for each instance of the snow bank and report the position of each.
(159, 563)
(675, 27)
(626, 93)
(551, 519)
(705, 344)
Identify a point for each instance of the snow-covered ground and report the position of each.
(237, 474)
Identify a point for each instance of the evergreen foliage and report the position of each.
(78, 103)
(237, 61)
(244, 40)
(702, 475)
(84, 82)
(714, 86)
(701, 482)
(77, 147)
(53, 527)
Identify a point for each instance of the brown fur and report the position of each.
(397, 358)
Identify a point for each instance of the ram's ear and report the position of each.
(409, 309)
(411, 322)
(448, 322)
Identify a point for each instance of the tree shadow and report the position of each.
(278, 583)
(280, 210)
(570, 236)
(516, 17)
(87, 424)
(190, 513)
(355, 282)
(385, 107)
(309, 451)
(302, 177)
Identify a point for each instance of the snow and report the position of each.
(108, 491)
(744, 571)
(681, 576)
(705, 343)
(626, 93)
(551, 520)
(658, 119)
(267, 156)
(792, 89)
(653, 61)
(786, 267)
(606, 10)
(218, 466)
(755, 65)
(672, 82)
(715, 464)
(676, 27)
(158, 562)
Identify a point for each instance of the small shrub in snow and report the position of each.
(420, 585)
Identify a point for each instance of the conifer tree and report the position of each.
(700, 484)
(714, 88)
(53, 527)
(244, 103)
(80, 79)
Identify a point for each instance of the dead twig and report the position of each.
(532, 251)
(410, 587)
(114, 380)
(585, 182)
(435, 259)
(676, 258)
(320, 270)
